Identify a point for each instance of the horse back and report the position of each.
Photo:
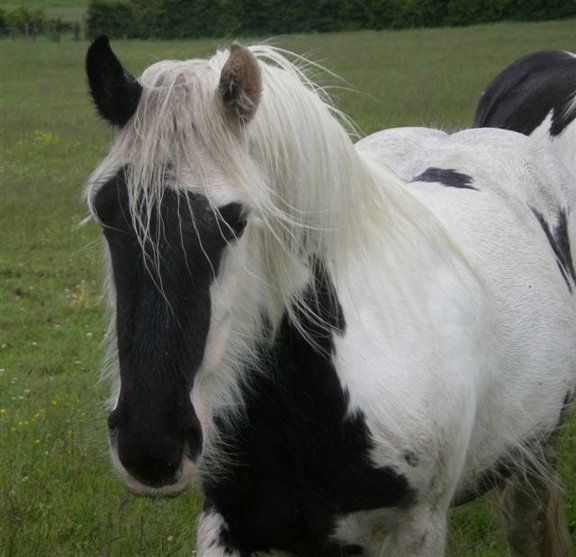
(522, 95)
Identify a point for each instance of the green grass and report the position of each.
(46, 5)
(69, 10)
(58, 494)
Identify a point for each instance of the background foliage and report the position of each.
(212, 18)
(176, 19)
(33, 21)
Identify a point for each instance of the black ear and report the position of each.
(115, 92)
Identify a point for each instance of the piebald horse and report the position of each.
(341, 341)
(536, 96)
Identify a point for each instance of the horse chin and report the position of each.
(184, 481)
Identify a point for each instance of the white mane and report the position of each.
(293, 166)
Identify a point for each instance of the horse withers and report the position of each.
(340, 341)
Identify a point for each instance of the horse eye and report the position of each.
(234, 219)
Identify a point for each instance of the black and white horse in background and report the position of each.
(536, 96)
(340, 351)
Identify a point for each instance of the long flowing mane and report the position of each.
(294, 166)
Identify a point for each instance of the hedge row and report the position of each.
(31, 22)
(204, 18)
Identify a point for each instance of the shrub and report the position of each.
(110, 17)
(170, 19)
(25, 21)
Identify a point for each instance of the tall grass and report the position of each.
(58, 495)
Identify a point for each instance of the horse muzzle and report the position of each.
(154, 458)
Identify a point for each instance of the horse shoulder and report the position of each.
(408, 359)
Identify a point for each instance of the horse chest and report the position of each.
(297, 461)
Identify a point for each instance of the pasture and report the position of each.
(58, 495)
(68, 10)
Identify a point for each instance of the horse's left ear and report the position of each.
(240, 83)
(115, 92)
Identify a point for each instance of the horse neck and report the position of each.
(328, 201)
(332, 209)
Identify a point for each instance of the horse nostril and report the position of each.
(151, 456)
(155, 444)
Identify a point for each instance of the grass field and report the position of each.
(68, 10)
(58, 494)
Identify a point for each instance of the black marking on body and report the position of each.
(495, 477)
(559, 242)
(411, 458)
(503, 468)
(298, 458)
(162, 319)
(511, 461)
(447, 177)
(226, 541)
(523, 94)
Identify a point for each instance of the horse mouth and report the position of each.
(183, 479)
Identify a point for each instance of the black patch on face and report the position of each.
(447, 177)
(298, 459)
(162, 320)
(558, 238)
(522, 95)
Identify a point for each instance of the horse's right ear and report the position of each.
(240, 84)
(115, 92)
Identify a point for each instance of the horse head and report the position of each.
(164, 251)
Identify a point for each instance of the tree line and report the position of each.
(175, 19)
(33, 22)
(168, 19)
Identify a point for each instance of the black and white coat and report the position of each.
(536, 96)
(341, 341)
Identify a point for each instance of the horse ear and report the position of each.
(240, 83)
(115, 92)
